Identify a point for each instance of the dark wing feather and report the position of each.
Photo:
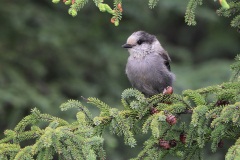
(168, 65)
(166, 58)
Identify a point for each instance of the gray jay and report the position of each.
(148, 66)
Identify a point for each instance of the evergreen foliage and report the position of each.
(77, 5)
(68, 141)
(232, 11)
(60, 69)
(227, 9)
(214, 113)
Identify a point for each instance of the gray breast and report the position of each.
(148, 74)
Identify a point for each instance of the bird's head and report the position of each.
(141, 43)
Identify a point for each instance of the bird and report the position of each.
(148, 65)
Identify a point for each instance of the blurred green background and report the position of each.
(48, 57)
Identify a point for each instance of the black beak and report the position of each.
(127, 46)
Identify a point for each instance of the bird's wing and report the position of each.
(166, 58)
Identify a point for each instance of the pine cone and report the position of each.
(171, 119)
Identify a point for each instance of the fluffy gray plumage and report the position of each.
(148, 66)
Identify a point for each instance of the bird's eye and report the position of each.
(139, 42)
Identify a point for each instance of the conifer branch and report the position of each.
(227, 9)
(211, 122)
(234, 11)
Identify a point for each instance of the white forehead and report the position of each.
(141, 35)
(133, 38)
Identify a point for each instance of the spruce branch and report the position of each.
(190, 12)
(231, 11)
(152, 3)
(116, 9)
(212, 121)
(234, 151)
